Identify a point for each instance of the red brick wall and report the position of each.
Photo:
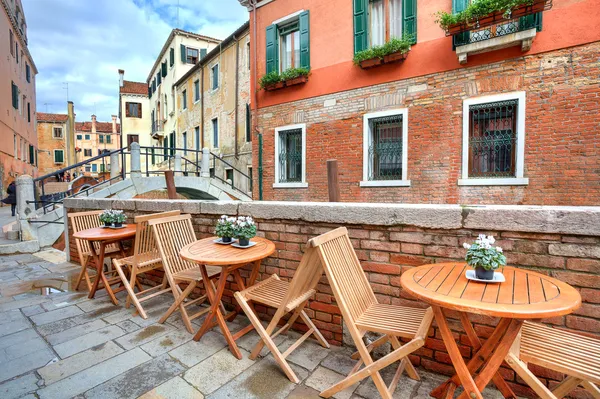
(562, 142)
(386, 251)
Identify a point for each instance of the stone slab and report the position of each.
(166, 342)
(322, 378)
(192, 352)
(26, 363)
(55, 315)
(13, 322)
(175, 388)
(88, 341)
(144, 335)
(18, 387)
(74, 332)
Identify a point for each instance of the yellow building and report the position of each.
(95, 138)
(134, 111)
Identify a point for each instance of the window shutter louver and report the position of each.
(139, 106)
(183, 54)
(158, 79)
(15, 96)
(409, 22)
(28, 73)
(164, 69)
(202, 53)
(360, 25)
(150, 91)
(462, 38)
(304, 27)
(31, 154)
(172, 56)
(272, 49)
(531, 21)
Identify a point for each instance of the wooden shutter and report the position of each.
(272, 49)
(127, 113)
(461, 38)
(28, 73)
(304, 40)
(361, 33)
(409, 22)
(139, 108)
(172, 56)
(15, 96)
(150, 91)
(531, 21)
(183, 54)
(31, 154)
(164, 69)
(202, 53)
(28, 112)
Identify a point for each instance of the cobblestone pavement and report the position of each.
(64, 345)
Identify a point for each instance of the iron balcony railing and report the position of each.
(501, 29)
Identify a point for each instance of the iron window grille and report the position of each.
(498, 30)
(290, 156)
(385, 148)
(492, 139)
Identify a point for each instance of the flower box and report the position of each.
(286, 83)
(499, 16)
(275, 86)
(398, 56)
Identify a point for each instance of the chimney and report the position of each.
(114, 123)
(93, 123)
(70, 133)
(121, 75)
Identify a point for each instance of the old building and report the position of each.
(52, 131)
(180, 53)
(213, 109)
(18, 144)
(134, 114)
(95, 138)
(504, 114)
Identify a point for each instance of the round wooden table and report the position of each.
(99, 238)
(230, 259)
(524, 295)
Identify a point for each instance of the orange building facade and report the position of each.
(505, 113)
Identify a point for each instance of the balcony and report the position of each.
(158, 129)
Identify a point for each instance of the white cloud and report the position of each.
(86, 42)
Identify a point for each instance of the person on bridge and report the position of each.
(11, 199)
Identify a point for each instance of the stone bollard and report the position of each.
(136, 168)
(115, 170)
(177, 163)
(26, 192)
(205, 164)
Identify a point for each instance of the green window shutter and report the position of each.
(409, 22)
(172, 56)
(531, 21)
(31, 154)
(272, 49)
(304, 40)
(28, 73)
(150, 91)
(461, 38)
(158, 78)
(183, 54)
(360, 25)
(202, 53)
(164, 69)
(15, 96)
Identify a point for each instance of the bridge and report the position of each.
(195, 174)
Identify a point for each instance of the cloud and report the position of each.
(84, 43)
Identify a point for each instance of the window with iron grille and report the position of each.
(290, 156)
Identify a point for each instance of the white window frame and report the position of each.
(54, 157)
(199, 91)
(303, 183)
(366, 140)
(519, 179)
(212, 73)
(61, 133)
(212, 130)
(186, 55)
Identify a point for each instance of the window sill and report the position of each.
(290, 185)
(385, 183)
(507, 181)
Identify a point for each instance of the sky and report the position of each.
(85, 42)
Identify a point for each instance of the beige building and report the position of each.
(18, 143)
(180, 53)
(52, 132)
(95, 138)
(134, 115)
(213, 108)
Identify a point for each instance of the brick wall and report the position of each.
(563, 242)
(562, 139)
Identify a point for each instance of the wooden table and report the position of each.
(524, 295)
(230, 259)
(103, 236)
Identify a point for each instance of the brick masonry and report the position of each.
(562, 139)
(388, 243)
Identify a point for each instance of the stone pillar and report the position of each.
(115, 169)
(26, 192)
(177, 163)
(205, 164)
(136, 168)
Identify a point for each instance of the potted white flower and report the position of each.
(484, 257)
(224, 228)
(106, 217)
(244, 229)
(118, 218)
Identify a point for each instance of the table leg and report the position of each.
(99, 260)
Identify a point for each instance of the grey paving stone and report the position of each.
(167, 342)
(339, 360)
(143, 335)
(12, 322)
(32, 310)
(18, 387)
(75, 332)
(262, 380)
(175, 388)
(217, 370)
(81, 361)
(95, 375)
(192, 352)
(250, 340)
(307, 355)
(128, 326)
(97, 303)
(87, 341)
(17, 338)
(25, 347)
(138, 380)
(54, 315)
(405, 389)
(304, 392)
(322, 378)
(25, 364)
(429, 382)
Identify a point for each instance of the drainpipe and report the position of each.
(255, 101)
(202, 106)
(237, 78)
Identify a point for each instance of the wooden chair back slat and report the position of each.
(144, 238)
(172, 234)
(345, 273)
(306, 276)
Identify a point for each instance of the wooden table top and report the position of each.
(207, 252)
(106, 233)
(524, 295)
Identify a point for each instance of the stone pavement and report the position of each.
(63, 345)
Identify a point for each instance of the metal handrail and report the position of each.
(82, 163)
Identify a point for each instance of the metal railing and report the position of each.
(500, 29)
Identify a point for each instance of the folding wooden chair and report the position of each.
(146, 257)
(571, 354)
(362, 313)
(172, 234)
(286, 297)
(83, 221)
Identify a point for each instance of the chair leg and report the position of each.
(410, 369)
(318, 336)
(130, 291)
(266, 338)
(83, 272)
(132, 281)
(270, 328)
(179, 298)
(527, 376)
(592, 389)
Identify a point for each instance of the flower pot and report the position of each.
(226, 239)
(118, 224)
(394, 57)
(373, 62)
(296, 81)
(107, 224)
(244, 242)
(275, 86)
(484, 274)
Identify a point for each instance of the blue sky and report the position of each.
(85, 42)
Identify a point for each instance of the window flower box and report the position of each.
(469, 19)
(275, 86)
(394, 50)
(291, 77)
(296, 81)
